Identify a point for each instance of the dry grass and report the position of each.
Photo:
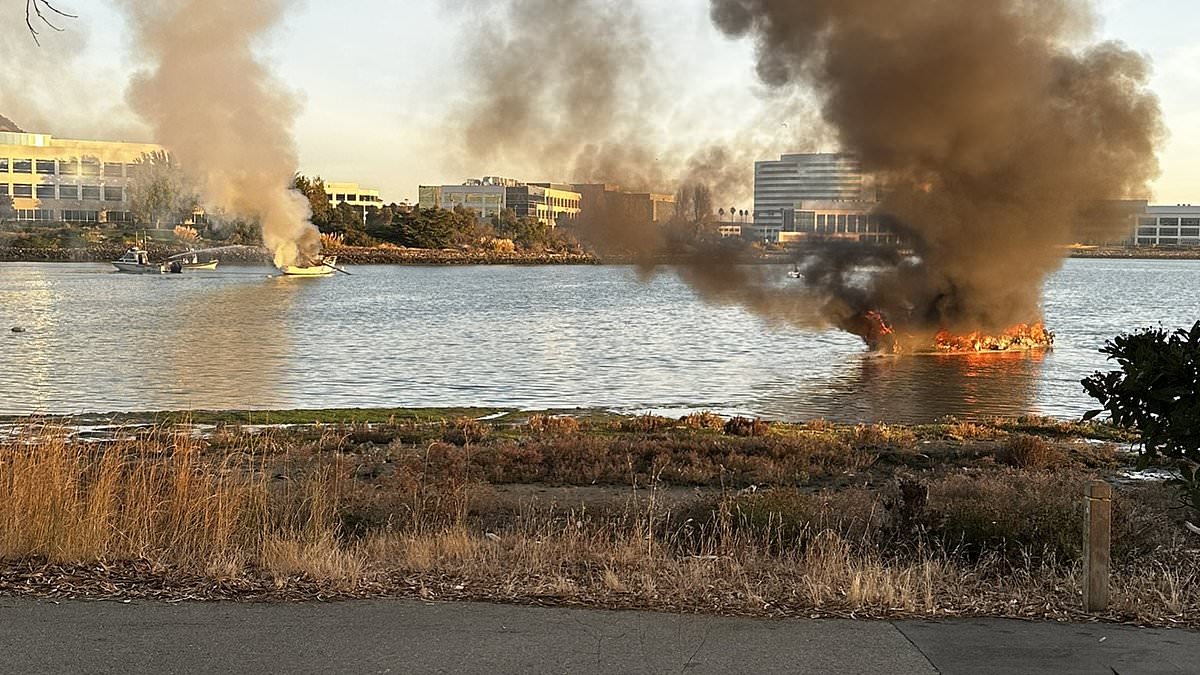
(330, 506)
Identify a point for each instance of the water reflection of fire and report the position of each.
(882, 337)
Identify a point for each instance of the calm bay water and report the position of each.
(540, 337)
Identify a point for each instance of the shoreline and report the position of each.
(358, 255)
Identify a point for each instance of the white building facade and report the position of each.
(1169, 226)
(780, 185)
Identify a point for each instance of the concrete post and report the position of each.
(1097, 546)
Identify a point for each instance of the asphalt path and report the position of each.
(414, 637)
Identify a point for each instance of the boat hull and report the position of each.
(210, 265)
(137, 268)
(322, 270)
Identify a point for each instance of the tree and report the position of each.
(43, 10)
(318, 200)
(1157, 392)
(6, 208)
(160, 191)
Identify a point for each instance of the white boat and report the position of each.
(137, 261)
(190, 261)
(795, 273)
(324, 268)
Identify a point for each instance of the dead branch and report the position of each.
(39, 9)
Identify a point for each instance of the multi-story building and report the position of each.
(549, 203)
(60, 180)
(606, 201)
(1169, 226)
(352, 194)
(779, 185)
(847, 220)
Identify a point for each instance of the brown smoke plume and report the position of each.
(992, 131)
(216, 107)
(569, 91)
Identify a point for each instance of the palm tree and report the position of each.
(721, 212)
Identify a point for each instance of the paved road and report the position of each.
(413, 637)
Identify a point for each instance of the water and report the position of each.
(533, 337)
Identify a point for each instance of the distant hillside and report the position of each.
(8, 125)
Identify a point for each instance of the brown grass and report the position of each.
(317, 505)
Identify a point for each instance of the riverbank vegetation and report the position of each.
(694, 514)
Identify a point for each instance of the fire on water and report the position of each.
(882, 337)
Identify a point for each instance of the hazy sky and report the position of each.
(377, 77)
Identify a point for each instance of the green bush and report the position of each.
(1156, 392)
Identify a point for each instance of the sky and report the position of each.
(377, 78)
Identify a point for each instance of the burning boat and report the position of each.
(322, 267)
(883, 338)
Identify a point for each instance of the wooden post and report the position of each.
(1097, 543)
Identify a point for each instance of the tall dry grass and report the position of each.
(155, 498)
(1005, 542)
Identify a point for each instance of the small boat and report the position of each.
(325, 267)
(137, 261)
(795, 273)
(190, 261)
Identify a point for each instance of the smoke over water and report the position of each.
(993, 128)
(215, 106)
(572, 91)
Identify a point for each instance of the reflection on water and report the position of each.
(234, 330)
(522, 337)
(920, 388)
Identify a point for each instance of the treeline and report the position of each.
(427, 228)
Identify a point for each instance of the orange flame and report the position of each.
(882, 337)
(1022, 337)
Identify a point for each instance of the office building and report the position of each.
(352, 194)
(61, 180)
(549, 203)
(779, 185)
(844, 220)
(607, 202)
(1169, 226)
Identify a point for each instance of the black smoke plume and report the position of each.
(994, 128)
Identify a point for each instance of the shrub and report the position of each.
(1031, 452)
(553, 425)
(1157, 392)
(703, 420)
(744, 426)
(466, 431)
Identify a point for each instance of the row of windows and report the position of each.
(1161, 241)
(1168, 222)
(72, 216)
(362, 199)
(109, 193)
(67, 167)
(1169, 232)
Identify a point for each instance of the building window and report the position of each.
(114, 170)
(91, 192)
(1189, 231)
(45, 192)
(68, 167)
(68, 192)
(339, 198)
(81, 216)
(20, 190)
(1147, 231)
(1168, 222)
(35, 215)
(3, 165)
(1190, 222)
(90, 167)
(120, 217)
(22, 166)
(3, 189)
(113, 194)
(1147, 222)
(46, 167)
